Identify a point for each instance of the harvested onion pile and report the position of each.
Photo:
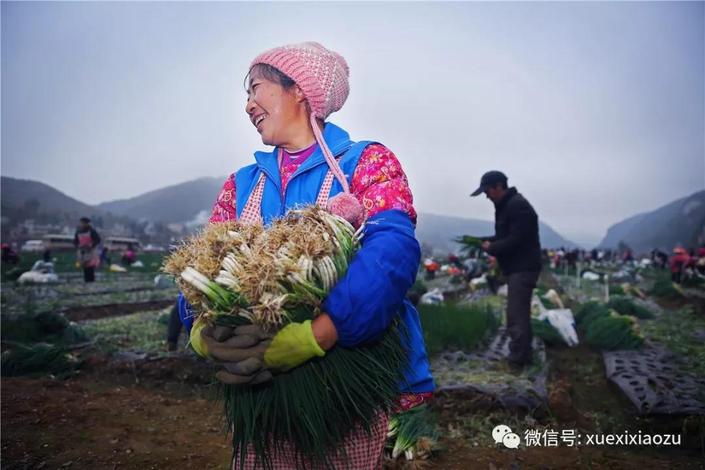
(265, 276)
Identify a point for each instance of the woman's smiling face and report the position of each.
(272, 108)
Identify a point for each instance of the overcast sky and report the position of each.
(596, 111)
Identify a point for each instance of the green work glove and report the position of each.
(240, 350)
(195, 339)
(225, 344)
(292, 346)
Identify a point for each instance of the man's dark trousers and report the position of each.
(521, 287)
(89, 274)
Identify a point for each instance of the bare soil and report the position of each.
(93, 424)
(158, 415)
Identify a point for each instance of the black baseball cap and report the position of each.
(489, 180)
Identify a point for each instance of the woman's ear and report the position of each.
(299, 94)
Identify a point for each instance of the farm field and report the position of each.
(118, 399)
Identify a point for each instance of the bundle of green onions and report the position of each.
(614, 331)
(412, 434)
(606, 329)
(234, 274)
(264, 276)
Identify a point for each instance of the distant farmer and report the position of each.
(678, 262)
(86, 239)
(9, 255)
(431, 267)
(129, 256)
(518, 251)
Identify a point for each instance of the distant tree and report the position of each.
(622, 247)
(31, 206)
(53, 218)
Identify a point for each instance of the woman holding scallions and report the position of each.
(291, 91)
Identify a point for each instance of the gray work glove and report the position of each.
(241, 351)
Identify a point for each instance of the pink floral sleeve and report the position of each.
(380, 184)
(224, 207)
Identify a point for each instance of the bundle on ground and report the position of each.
(664, 288)
(25, 359)
(614, 331)
(547, 332)
(589, 311)
(233, 274)
(606, 329)
(627, 306)
(413, 434)
(461, 326)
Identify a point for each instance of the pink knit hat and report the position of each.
(322, 76)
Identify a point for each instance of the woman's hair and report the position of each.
(269, 73)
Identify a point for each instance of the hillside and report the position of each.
(183, 202)
(31, 209)
(681, 222)
(178, 203)
(26, 199)
(191, 202)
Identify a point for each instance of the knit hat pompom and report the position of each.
(321, 74)
(347, 206)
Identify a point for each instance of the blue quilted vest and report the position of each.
(304, 184)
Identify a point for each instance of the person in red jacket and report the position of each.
(431, 268)
(678, 262)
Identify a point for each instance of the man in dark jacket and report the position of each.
(518, 250)
(86, 239)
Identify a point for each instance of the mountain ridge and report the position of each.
(680, 222)
(189, 197)
(186, 203)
